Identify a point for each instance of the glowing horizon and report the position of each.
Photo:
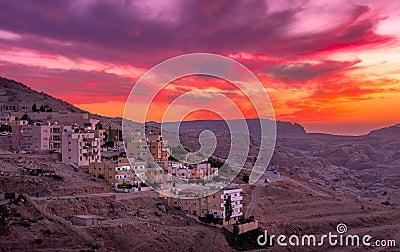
(332, 67)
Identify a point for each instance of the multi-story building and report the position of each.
(211, 204)
(6, 118)
(137, 147)
(82, 147)
(119, 174)
(56, 137)
(158, 147)
(192, 171)
(141, 147)
(15, 106)
(47, 137)
(31, 137)
(37, 137)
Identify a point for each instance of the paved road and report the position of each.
(314, 189)
(119, 196)
(254, 201)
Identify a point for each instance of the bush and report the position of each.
(215, 162)
(109, 144)
(47, 232)
(6, 128)
(209, 218)
(25, 117)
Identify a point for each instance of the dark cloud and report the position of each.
(72, 85)
(300, 72)
(119, 31)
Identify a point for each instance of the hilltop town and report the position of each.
(54, 152)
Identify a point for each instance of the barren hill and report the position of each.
(16, 93)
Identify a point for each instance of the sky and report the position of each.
(332, 66)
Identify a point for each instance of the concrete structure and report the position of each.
(37, 138)
(192, 171)
(211, 204)
(158, 147)
(273, 176)
(82, 147)
(142, 146)
(6, 118)
(244, 227)
(49, 137)
(137, 147)
(88, 220)
(119, 174)
(15, 106)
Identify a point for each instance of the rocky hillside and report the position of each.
(388, 132)
(14, 92)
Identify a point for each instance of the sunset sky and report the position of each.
(333, 66)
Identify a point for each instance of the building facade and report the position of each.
(211, 204)
(158, 147)
(119, 174)
(35, 137)
(82, 147)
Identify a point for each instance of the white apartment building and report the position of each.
(219, 210)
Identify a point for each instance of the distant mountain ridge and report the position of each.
(283, 128)
(20, 92)
(390, 131)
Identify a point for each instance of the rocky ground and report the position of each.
(66, 180)
(23, 228)
(142, 222)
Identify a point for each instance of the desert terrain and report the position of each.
(324, 180)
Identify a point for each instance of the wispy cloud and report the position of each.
(313, 57)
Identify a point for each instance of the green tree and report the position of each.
(34, 108)
(99, 126)
(42, 108)
(235, 230)
(228, 208)
(25, 117)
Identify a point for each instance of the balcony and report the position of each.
(237, 206)
(236, 214)
(237, 198)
